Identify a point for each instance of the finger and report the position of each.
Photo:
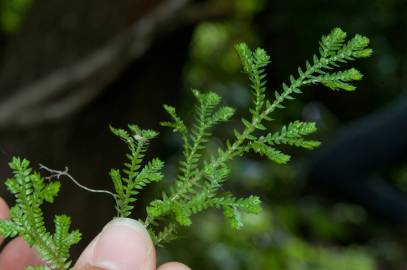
(18, 255)
(173, 266)
(124, 244)
(4, 211)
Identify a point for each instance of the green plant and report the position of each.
(26, 218)
(197, 186)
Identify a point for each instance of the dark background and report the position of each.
(68, 69)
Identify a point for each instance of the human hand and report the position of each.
(123, 244)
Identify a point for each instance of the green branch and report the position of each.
(199, 181)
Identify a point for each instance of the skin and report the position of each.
(123, 244)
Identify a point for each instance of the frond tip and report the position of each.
(332, 42)
(254, 64)
(339, 80)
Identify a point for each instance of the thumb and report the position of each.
(123, 244)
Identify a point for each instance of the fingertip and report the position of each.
(86, 256)
(18, 255)
(4, 209)
(4, 213)
(124, 244)
(173, 266)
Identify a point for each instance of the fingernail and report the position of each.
(124, 244)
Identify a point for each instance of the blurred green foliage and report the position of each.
(12, 14)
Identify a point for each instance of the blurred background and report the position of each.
(68, 69)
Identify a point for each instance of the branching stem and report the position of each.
(58, 174)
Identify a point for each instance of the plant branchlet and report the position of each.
(197, 186)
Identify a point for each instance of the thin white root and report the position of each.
(58, 174)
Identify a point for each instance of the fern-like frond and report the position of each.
(270, 152)
(293, 135)
(197, 186)
(27, 221)
(207, 115)
(177, 124)
(233, 208)
(133, 177)
(254, 64)
(331, 43)
(339, 80)
(166, 235)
